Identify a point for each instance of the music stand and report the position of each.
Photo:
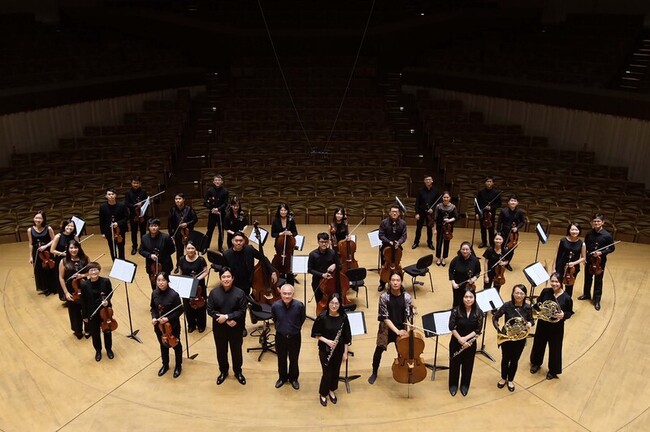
(436, 324)
(479, 212)
(357, 327)
(373, 238)
(125, 271)
(186, 287)
(488, 300)
(299, 266)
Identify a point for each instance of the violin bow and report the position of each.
(503, 257)
(108, 297)
(84, 267)
(169, 312)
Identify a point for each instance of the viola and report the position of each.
(264, 290)
(472, 285)
(409, 367)
(595, 265)
(431, 221)
(513, 237)
(340, 283)
(46, 259)
(198, 302)
(392, 257)
(333, 235)
(284, 246)
(167, 338)
(185, 235)
(76, 290)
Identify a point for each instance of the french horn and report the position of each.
(515, 329)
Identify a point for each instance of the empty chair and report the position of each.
(357, 278)
(418, 269)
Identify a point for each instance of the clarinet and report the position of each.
(336, 342)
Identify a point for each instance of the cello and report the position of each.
(408, 366)
(284, 246)
(340, 283)
(264, 289)
(347, 248)
(392, 257)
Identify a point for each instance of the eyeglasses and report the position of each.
(335, 303)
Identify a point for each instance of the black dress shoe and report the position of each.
(534, 369)
(508, 267)
(501, 384)
(550, 376)
(134, 250)
(110, 354)
(191, 330)
(176, 270)
(241, 379)
(163, 370)
(430, 246)
(87, 335)
(464, 390)
(584, 297)
(221, 378)
(295, 384)
(323, 400)
(333, 399)
(79, 335)
(597, 306)
(98, 356)
(453, 390)
(372, 378)
(511, 388)
(201, 330)
(415, 245)
(177, 371)
(279, 383)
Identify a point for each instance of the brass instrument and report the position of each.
(547, 311)
(515, 329)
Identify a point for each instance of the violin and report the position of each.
(167, 338)
(431, 221)
(448, 229)
(264, 290)
(198, 302)
(392, 257)
(139, 217)
(333, 235)
(155, 267)
(185, 234)
(471, 284)
(117, 233)
(569, 273)
(347, 248)
(487, 219)
(513, 237)
(108, 324)
(76, 287)
(284, 246)
(409, 367)
(46, 259)
(340, 283)
(499, 275)
(595, 264)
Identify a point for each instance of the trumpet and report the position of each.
(547, 311)
(514, 329)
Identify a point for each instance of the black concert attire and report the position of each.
(71, 267)
(215, 198)
(92, 295)
(242, 265)
(394, 231)
(340, 233)
(317, 265)
(550, 333)
(133, 197)
(442, 212)
(196, 316)
(61, 247)
(161, 245)
(461, 365)
(511, 350)
(161, 303)
(288, 321)
(44, 277)
(507, 219)
(425, 199)
(595, 240)
(234, 223)
(176, 217)
(493, 257)
(460, 270)
(276, 229)
(568, 251)
(397, 309)
(109, 213)
(328, 327)
(233, 303)
(486, 197)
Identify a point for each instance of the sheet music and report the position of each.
(185, 286)
(263, 234)
(123, 270)
(441, 320)
(79, 225)
(536, 274)
(489, 299)
(373, 237)
(300, 242)
(357, 323)
(299, 264)
(145, 206)
(541, 233)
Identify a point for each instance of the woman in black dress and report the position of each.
(284, 224)
(550, 329)
(332, 329)
(166, 309)
(493, 255)
(40, 238)
(464, 270)
(445, 213)
(570, 253)
(195, 266)
(338, 228)
(70, 276)
(235, 220)
(59, 246)
(180, 225)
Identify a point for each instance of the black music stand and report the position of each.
(357, 327)
(436, 324)
(125, 271)
(542, 237)
(186, 287)
(488, 300)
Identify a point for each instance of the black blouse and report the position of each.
(567, 251)
(564, 300)
(328, 326)
(463, 324)
(193, 268)
(462, 269)
(511, 311)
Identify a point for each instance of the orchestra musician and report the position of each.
(511, 350)
(40, 237)
(94, 291)
(445, 215)
(322, 263)
(339, 228)
(216, 201)
(180, 225)
(488, 201)
(157, 248)
(74, 261)
(289, 316)
(395, 310)
(465, 323)
(227, 306)
(464, 270)
(138, 222)
(332, 329)
(59, 246)
(511, 219)
(493, 255)
(113, 218)
(571, 252)
(195, 266)
(165, 309)
(392, 232)
(284, 224)
(598, 237)
(240, 258)
(551, 332)
(424, 201)
(235, 220)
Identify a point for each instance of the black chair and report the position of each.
(262, 312)
(418, 269)
(357, 278)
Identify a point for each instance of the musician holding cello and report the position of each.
(113, 223)
(322, 263)
(465, 323)
(195, 266)
(94, 292)
(511, 220)
(157, 248)
(464, 270)
(241, 260)
(445, 216)
(216, 201)
(180, 224)
(166, 310)
(599, 244)
(427, 197)
(392, 233)
(134, 200)
(339, 228)
(284, 231)
(571, 252)
(487, 204)
(395, 310)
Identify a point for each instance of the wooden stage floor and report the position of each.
(50, 380)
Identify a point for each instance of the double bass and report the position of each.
(264, 289)
(46, 258)
(408, 366)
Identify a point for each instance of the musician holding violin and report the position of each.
(424, 202)
(235, 220)
(157, 248)
(216, 201)
(392, 233)
(284, 231)
(571, 252)
(70, 277)
(195, 308)
(445, 215)
(464, 270)
(339, 228)
(511, 220)
(94, 292)
(40, 237)
(134, 200)
(465, 323)
(322, 263)
(166, 310)
(59, 246)
(487, 204)
(599, 244)
(395, 310)
(113, 223)
(180, 224)
(495, 263)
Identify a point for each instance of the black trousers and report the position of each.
(96, 332)
(458, 295)
(225, 336)
(379, 351)
(490, 283)
(178, 244)
(329, 381)
(288, 347)
(510, 354)
(440, 241)
(551, 334)
(77, 324)
(213, 222)
(164, 350)
(118, 246)
(135, 227)
(196, 318)
(485, 232)
(418, 230)
(597, 281)
(461, 366)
